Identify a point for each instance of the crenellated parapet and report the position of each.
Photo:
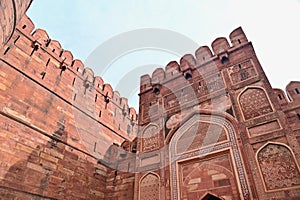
(293, 90)
(290, 103)
(219, 52)
(292, 93)
(45, 61)
(281, 97)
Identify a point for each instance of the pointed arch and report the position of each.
(210, 152)
(149, 187)
(254, 102)
(150, 138)
(210, 196)
(276, 161)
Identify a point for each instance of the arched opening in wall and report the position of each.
(224, 59)
(254, 102)
(278, 167)
(149, 187)
(210, 196)
(213, 171)
(297, 91)
(134, 145)
(156, 90)
(230, 111)
(279, 96)
(187, 76)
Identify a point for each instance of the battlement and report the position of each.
(45, 61)
(42, 40)
(203, 56)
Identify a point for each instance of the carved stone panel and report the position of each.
(213, 174)
(199, 135)
(203, 152)
(150, 138)
(254, 102)
(192, 94)
(242, 72)
(278, 167)
(149, 187)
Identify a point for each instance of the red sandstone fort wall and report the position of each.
(226, 81)
(57, 120)
(11, 13)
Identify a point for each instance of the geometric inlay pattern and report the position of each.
(200, 134)
(149, 187)
(150, 138)
(278, 167)
(231, 143)
(254, 103)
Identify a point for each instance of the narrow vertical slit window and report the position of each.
(35, 48)
(43, 75)
(95, 146)
(16, 39)
(74, 98)
(6, 51)
(48, 61)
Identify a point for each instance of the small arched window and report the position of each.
(224, 59)
(156, 91)
(210, 197)
(188, 76)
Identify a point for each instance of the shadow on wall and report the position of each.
(51, 171)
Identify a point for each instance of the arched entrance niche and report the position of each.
(149, 187)
(204, 157)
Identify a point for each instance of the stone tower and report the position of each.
(211, 126)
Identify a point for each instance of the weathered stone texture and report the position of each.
(210, 126)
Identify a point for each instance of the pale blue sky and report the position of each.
(83, 25)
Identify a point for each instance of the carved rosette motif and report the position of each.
(254, 102)
(278, 167)
(149, 187)
(150, 138)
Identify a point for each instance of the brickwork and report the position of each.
(59, 121)
(210, 126)
(11, 13)
(226, 132)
